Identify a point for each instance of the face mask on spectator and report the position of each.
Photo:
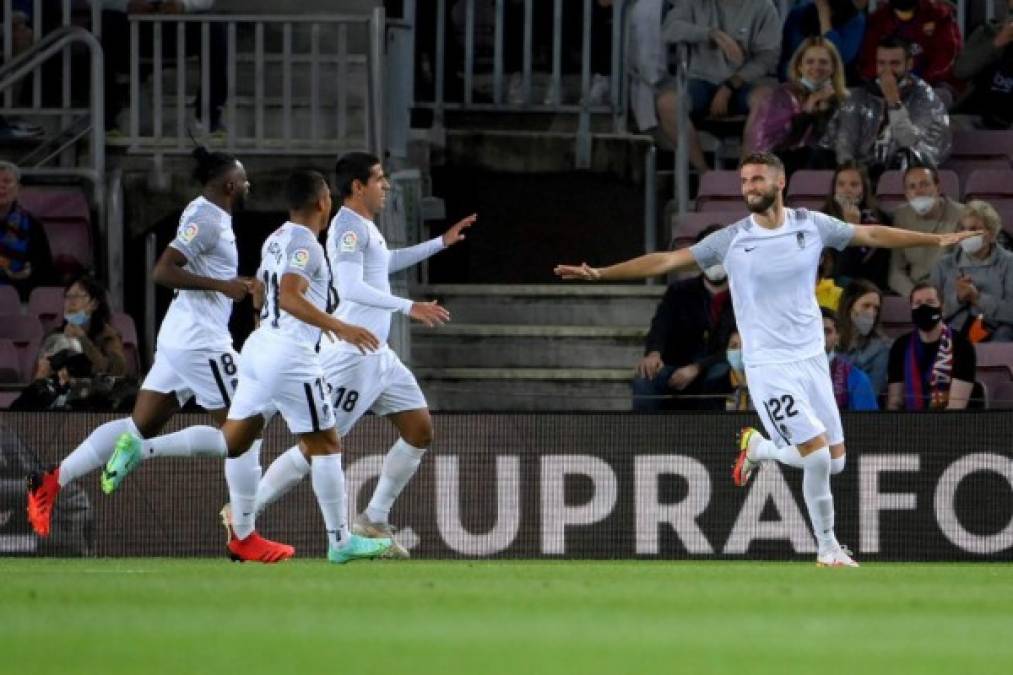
(863, 323)
(845, 201)
(922, 205)
(734, 357)
(972, 245)
(811, 85)
(831, 355)
(77, 318)
(716, 274)
(926, 317)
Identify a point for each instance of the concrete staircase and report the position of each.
(533, 347)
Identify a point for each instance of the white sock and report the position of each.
(400, 464)
(837, 464)
(766, 450)
(95, 450)
(329, 487)
(284, 474)
(190, 442)
(818, 500)
(242, 475)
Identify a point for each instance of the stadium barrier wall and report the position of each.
(919, 487)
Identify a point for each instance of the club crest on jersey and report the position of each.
(348, 242)
(300, 258)
(188, 233)
(800, 239)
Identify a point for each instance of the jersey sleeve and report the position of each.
(713, 248)
(303, 256)
(834, 233)
(347, 241)
(195, 237)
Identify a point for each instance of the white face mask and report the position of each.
(716, 274)
(846, 201)
(973, 245)
(811, 85)
(830, 356)
(922, 205)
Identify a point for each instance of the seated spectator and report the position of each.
(88, 320)
(684, 350)
(739, 397)
(838, 21)
(852, 200)
(860, 338)
(828, 293)
(932, 367)
(927, 210)
(976, 279)
(929, 26)
(852, 388)
(793, 120)
(25, 259)
(729, 53)
(115, 25)
(892, 122)
(987, 63)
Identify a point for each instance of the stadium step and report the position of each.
(547, 304)
(527, 346)
(516, 389)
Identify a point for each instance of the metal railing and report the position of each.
(265, 56)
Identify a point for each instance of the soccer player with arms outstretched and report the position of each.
(194, 355)
(378, 381)
(772, 259)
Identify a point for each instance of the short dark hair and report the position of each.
(765, 158)
(211, 165)
(928, 167)
(829, 314)
(354, 166)
(895, 42)
(302, 189)
(922, 285)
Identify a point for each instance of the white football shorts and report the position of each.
(210, 376)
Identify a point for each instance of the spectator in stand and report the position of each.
(987, 63)
(25, 259)
(22, 37)
(684, 351)
(838, 21)
(732, 45)
(861, 339)
(932, 367)
(738, 399)
(793, 120)
(893, 122)
(115, 25)
(927, 210)
(828, 293)
(852, 388)
(976, 279)
(852, 200)
(929, 26)
(88, 321)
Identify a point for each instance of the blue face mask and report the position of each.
(734, 357)
(77, 318)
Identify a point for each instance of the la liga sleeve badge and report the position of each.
(188, 232)
(300, 258)
(349, 240)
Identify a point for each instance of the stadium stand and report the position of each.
(809, 188)
(10, 302)
(46, 304)
(25, 333)
(124, 323)
(65, 214)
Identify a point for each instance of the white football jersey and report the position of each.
(292, 249)
(353, 239)
(772, 276)
(200, 319)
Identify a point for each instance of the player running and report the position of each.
(378, 381)
(772, 259)
(194, 355)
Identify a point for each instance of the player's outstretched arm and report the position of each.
(403, 258)
(292, 299)
(169, 272)
(879, 236)
(643, 267)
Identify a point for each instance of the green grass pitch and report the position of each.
(208, 616)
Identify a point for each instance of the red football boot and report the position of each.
(254, 548)
(42, 491)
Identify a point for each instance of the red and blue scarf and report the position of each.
(15, 237)
(938, 376)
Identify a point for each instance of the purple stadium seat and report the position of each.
(890, 190)
(965, 166)
(719, 191)
(8, 397)
(686, 228)
(10, 363)
(995, 367)
(993, 185)
(46, 304)
(10, 301)
(978, 143)
(809, 189)
(1006, 213)
(25, 333)
(124, 323)
(70, 243)
(895, 315)
(1001, 396)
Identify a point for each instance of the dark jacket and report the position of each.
(933, 32)
(681, 328)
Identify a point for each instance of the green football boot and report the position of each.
(358, 548)
(125, 459)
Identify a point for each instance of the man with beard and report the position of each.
(771, 258)
(194, 356)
